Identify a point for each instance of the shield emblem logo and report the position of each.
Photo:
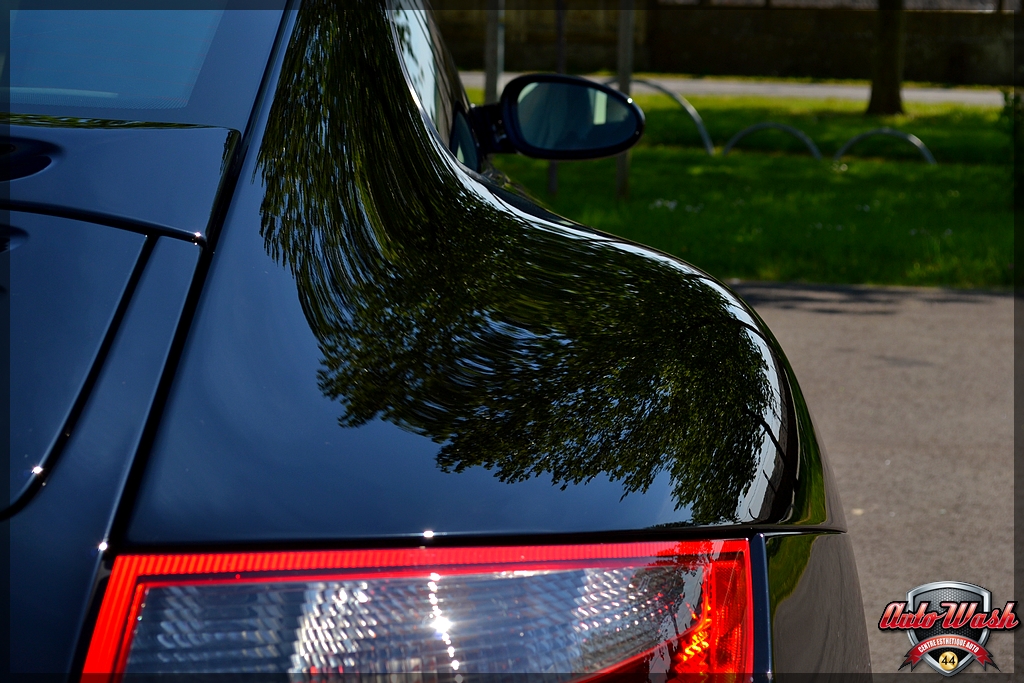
(949, 591)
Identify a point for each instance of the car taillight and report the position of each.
(580, 610)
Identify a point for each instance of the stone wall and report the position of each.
(941, 47)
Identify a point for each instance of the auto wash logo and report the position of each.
(948, 623)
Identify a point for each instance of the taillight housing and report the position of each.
(571, 611)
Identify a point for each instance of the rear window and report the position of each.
(127, 60)
(178, 66)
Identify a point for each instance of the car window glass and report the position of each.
(176, 66)
(434, 81)
(126, 60)
(434, 77)
(463, 145)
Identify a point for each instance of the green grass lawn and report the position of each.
(768, 211)
(790, 218)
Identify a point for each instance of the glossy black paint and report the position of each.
(817, 617)
(67, 280)
(143, 177)
(55, 538)
(386, 341)
(762, 607)
(384, 347)
(22, 157)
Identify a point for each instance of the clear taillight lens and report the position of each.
(670, 608)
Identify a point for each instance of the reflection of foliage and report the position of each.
(521, 349)
(787, 558)
(9, 119)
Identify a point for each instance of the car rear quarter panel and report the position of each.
(817, 617)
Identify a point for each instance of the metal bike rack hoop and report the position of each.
(682, 102)
(912, 139)
(796, 132)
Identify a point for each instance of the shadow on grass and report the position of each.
(852, 299)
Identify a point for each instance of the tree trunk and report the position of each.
(494, 49)
(1014, 109)
(625, 76)
(888, 76)
(559, 68)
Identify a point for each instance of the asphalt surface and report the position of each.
(707, 86)
(912, 394)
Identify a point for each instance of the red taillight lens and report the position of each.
(672, 608)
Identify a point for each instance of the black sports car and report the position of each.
(300, 385)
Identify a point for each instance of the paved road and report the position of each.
(912, 393)
(702, 86)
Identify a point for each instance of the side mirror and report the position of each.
(550, 116)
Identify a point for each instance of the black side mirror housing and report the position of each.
(551, 116)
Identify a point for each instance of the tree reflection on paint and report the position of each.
(525, 349)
